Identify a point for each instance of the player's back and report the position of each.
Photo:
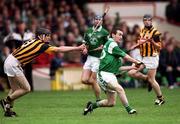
(29, 50)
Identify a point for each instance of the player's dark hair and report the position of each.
(114, 30)
(147, 16)
(43, 31)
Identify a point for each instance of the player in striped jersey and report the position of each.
(20, 57)
(150, 46)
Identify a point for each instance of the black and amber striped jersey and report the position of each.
(30, 50)
(147, 48)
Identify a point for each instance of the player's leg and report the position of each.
(122, 96)
(95, 86)
(93, 78)
(113, 85)
(151, 78)
(89, 78)
(19, 86)
(12, 102)
(86, 73)
(109, 102)
(136, 74)
(22, 83)
(14, 87)
(8, 101)
(4, 83)
(89, 74)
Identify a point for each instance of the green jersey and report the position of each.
(110, 59)
(95, 39)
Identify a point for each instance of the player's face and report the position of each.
(45, 38)
(147, 22)
(96, 21)
(118, 36)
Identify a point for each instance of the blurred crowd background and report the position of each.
(68, 20)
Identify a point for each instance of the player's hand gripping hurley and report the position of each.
(138, 44)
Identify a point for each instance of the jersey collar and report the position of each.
(99, 29)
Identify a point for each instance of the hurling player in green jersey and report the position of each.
(110, 65)
(94, 39)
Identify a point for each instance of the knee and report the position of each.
(92, 80)
(151, 79)
(111, 104)
(131, 73)
(27, 89)
(84, 80)
(120, 90)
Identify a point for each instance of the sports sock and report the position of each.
(95, 105)
(160, 97)
(8, 99)
(97, 100)
(128, 108)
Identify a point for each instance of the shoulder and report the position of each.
(89, 30)
(28, 32)
(15, 35)
(142, 29)
(105, 31)
(156, 32)
(46, 46)
(112, 43)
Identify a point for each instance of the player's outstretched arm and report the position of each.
(127, 68)
(98, 48)
(140, 65)
(141, 41)
(137, 63)
(130, 59)
(70, 48)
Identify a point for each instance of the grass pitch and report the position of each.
(66, 107)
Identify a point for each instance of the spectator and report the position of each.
(169, 63)
(4, 85)
(56, 62)
(172, 11)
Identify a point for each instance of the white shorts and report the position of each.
(92, 63)
(136, 54)
(151, 62)
(12, 67)
(106, 80)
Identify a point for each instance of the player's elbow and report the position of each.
(126, 57)
(58, 49)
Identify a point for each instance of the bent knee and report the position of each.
(84, 81)
(120, 90)
(132, 72)
(27, 89)
(111, 104)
